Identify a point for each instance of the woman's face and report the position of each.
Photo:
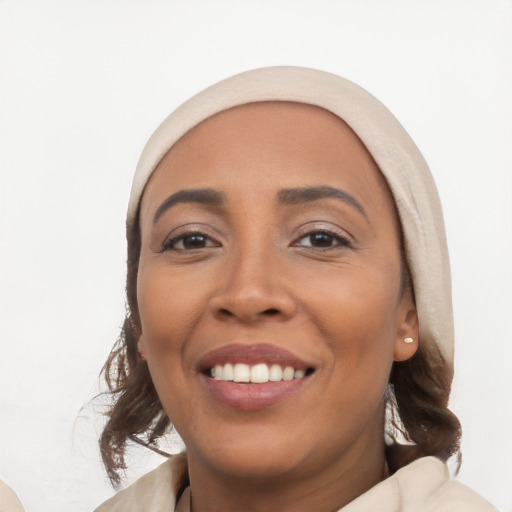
(271, 250)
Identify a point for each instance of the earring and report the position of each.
(408, 340)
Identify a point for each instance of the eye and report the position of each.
(322, 240)
(189, 241)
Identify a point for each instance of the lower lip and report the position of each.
(251, 397)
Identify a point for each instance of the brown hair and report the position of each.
(417, 399)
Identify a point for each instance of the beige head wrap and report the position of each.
(393, 150)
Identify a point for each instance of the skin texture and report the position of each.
(259, 276)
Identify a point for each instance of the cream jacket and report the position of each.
(422, 486)
(9, 502)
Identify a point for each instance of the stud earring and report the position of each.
(408, 340)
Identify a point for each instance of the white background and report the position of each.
(82, 86)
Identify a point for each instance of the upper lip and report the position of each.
(251, 355)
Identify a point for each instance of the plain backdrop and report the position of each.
(82, 86)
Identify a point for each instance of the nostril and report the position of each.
(248, 314)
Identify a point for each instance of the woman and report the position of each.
(289, 306)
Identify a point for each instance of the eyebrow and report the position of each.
(305, 195)
(207, 196)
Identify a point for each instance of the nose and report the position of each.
(254, 289)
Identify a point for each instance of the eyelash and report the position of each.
(341, 240)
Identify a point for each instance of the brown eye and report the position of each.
(322, 240)
(194, 242)
(189, 241)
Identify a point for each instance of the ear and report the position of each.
(407, 327)
(141, 348)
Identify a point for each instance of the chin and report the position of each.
(258, 465)
(253, 457)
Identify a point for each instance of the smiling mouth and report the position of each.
(260, 373)
(253, 377)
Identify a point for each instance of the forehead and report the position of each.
(274, 127)
(261, 146)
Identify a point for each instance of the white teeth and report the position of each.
(241, 372)
(276, 373)
(288, 373)
(257, 374)
(227, 372)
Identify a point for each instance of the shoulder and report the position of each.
(9, 502)
(154, 492)
(454, 496)
(422, 486)
(426, 486)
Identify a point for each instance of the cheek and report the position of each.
(360, 335)
(357, 316)
(357, 299)
(169, 306)
(168, 310)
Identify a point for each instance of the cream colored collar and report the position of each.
(408, 490)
